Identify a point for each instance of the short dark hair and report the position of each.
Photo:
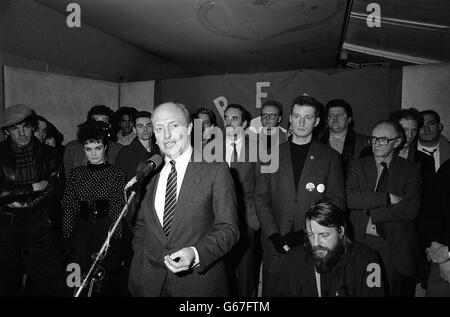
(432, 112)
(40, 118)
(52, 131)
(93, 131)
(101, 110)
(407, 114)
(129, 111)
(245, 115)
(305, 100)
(141, 114)
(334, 103)
(273, 103)
(210, 113)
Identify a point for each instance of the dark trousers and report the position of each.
(273, 264)
(398, 285)
(27, 247)
(87, 239)
(243, 264)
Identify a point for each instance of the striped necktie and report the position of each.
(171, 199)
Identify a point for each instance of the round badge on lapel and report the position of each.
(320, 188)
(311, 157)
(310, 187)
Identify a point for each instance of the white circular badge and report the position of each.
(310, 187)
(320, 188)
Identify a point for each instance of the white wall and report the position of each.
(61, 99)
(428, 87)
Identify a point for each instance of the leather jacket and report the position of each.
(49, 168)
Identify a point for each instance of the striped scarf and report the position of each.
(25, 169)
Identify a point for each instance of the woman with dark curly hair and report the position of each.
(92, 201)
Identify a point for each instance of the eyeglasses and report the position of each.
(383, 140)
(269, 116)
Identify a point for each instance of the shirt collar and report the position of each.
(338, 136)
(429, 148)
(183, 159)
(378, 162)
(238, 141)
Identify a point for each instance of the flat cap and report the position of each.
(14, 114)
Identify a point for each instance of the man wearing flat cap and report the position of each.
(29, 181)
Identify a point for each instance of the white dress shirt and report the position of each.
(181, 163)
(371, 229)
(229, 148)
(436, 155)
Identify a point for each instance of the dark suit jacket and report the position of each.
(437, 219)
(205, 218)
(404, 180)
(280, 206)
(244, 173)
(355, 139)
(130, 156)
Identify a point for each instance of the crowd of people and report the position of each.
(342, 214)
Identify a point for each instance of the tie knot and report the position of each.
(384, 164)
(430, 152)
(172, 163)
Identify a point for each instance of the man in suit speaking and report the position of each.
(187, 219)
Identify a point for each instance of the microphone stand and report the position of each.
(96, 272)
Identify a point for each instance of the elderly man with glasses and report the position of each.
(384, 195)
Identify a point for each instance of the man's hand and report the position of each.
(294, 238)
(445, 271)
(279, 243)
(180, 261)
(395, 199)
(40, 186)
(438, 253)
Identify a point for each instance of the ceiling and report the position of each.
(235, 36)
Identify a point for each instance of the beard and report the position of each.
(324, 263)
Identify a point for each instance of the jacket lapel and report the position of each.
(159, 233)
(310, 161)
(370, 171)
(188, 187)
(287, 173)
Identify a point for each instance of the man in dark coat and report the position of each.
(29, 183)
(384, 195)
(339, 133)
(187, 220)
(308, 172)
(437, 233)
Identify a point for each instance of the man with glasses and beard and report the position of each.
(384, 195)
(330, 264)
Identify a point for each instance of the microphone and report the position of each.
(151, 164)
